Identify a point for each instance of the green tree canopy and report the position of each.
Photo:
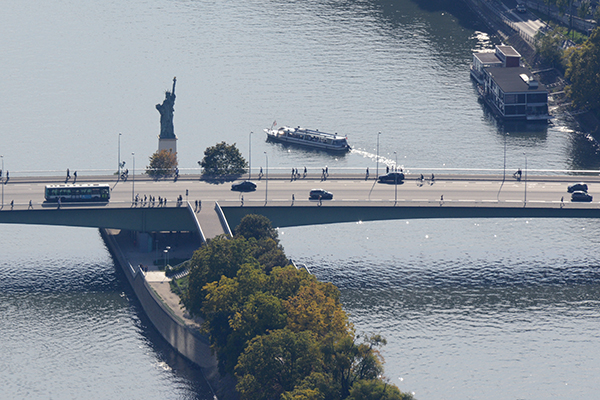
(374, 389)
(583, 70)
(255, 226)
(223, 160)
(282, 332)
(549, 46)
(220, 257)
(275, 363)
(162, 164)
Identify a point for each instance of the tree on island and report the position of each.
(223, 160)
(279, 330)
(163, 163)
(583, 64)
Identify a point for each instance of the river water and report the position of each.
(471, 308)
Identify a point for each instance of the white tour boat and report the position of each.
(308, 138)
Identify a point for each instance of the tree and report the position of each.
(255, 226)
(548, 46)
(349, 362)
(375, 389)
(223, 160)
(312, 309)
(275, 363)
(220, 257)
(583, 64)
(162, 163)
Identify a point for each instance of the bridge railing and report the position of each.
(51, 176)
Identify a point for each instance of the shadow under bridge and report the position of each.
(141, 219)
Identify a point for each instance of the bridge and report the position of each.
(285, 201)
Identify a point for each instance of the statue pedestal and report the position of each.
(167, 144)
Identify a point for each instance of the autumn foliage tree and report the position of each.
(163, 163)
(280, 331)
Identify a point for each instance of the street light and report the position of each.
(396, 179)
(250, 155)
(133, 181)
(377, 173)
(525, 198)
(267, 180)
(119, 159)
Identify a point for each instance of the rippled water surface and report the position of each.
(471, 309)
(495, 309)
(72, 329)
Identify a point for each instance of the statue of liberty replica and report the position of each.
(167, 139)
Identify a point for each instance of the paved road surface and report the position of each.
(456, 190)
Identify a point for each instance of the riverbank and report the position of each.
(554, 79)
(162, 306)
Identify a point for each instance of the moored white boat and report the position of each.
(308, 138)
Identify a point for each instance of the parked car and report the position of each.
(244, 186)
(317, 194)
(521, 8)
(392, 177)
(577, 187)
(581, 196)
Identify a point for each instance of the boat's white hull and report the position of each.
(276, 136)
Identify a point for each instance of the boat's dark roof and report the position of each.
(508, 51)
(510, 81)
(488, 58)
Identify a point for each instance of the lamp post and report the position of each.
(377, 172)
(525, 198)
(133, 180)
(267, 180)
(250, 155)
(168, 248)
(396, 179)
(504, 173)
(119, 159)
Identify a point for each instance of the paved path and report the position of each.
(157, 279)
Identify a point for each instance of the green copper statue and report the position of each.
(166, 114)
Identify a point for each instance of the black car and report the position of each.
(581, 196)
(317, 194)
(244, 186)
(392, 177)
(521, 8)
(577, 187)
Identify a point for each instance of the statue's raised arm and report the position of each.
(174, 82)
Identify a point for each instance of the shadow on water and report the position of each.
(186, 371)
(393, 11)
(585, 152)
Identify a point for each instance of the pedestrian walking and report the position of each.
(12, 204)
(30, 205)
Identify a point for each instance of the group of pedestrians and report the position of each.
(324, 173)
(296, 174)
(69, 176)
(149, 201)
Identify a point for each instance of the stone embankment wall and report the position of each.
(186, 340)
